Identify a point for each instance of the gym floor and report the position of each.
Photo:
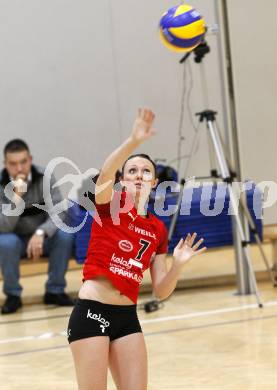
(202, 338)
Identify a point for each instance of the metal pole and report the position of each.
(221, 8)
(225, 173)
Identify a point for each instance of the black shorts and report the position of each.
(92, 318)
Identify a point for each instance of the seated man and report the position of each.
(28, 230)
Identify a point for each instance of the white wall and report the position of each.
(254, 60)
(56, 73)
(73, 73)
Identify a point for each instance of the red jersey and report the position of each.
(122, 244)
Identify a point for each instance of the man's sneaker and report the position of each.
(61, 299)
(11, 304)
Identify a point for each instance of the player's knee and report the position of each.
(9, 242)
(63, 238)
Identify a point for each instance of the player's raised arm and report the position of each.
(142, 130)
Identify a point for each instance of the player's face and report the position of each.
(140, 173)
(18, 163)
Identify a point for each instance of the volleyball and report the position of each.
(182, 28)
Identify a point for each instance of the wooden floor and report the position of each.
(206, 338)
(214, 268)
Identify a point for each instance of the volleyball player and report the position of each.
(104, 330)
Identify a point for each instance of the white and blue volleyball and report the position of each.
(182, 28)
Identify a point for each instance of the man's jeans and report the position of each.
(13, 247)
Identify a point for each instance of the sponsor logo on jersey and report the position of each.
(125, 273)
(132, 216)
(135, 263)
(125, 245)
(143, 232)
(99, 318)
(120, 261)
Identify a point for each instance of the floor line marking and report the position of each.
(48, 335)
(207, 313)
(17, 353)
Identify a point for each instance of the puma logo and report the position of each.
(131, 215)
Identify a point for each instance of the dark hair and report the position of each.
(142, 155)
(15, 145)
(91, 195)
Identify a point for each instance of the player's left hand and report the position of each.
(186, 249)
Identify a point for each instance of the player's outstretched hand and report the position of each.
(186, 249)
(142, 128)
